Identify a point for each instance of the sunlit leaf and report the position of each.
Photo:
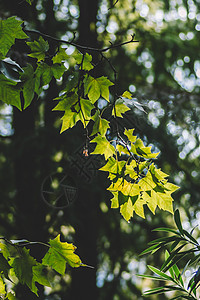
(75, 110)
(96, 87)
(119, 108)
(59, 254)
(100, 125)
(60, 56)
(103, 147)
(23, 267)
(126, 210)
(85, 60)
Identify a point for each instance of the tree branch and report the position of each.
(48, 37)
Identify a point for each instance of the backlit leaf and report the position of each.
(2, 287)
(115, 200)
(119, 108)
(96, 87)
(126, 210)
(75, 110)
(39, 276)
(23, 265)
(60, 56)
(59, 254)
(86, 61)
(139, 207)
(100, 125)
(103, 147)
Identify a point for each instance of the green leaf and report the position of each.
(127, 95)
(39, 276)
(115, 200)
(139, 207)
(2, 287)
(127, 209)
(129, 133)
(161, 274)
(147, 183)
(60, 56)
(57, 70)
(9, 92)
(100, 125)
(190, 237)
(152, 277)
(86, 61)
(10, 30)
(177, 220)
(44, 73)
(150, 249)
(96, 87)
(167, 230)
(139, 149)
(59, 254)
(29, 1)
(103, 147)
(38, 49)
(113, 166)
(75, 110)
(11, 296)
(23, 265)
(122, 149)
(158, 290)
(28, 81)
(4, 266)
(119, 108)
(4, 250)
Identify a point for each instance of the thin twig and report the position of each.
(80, 46)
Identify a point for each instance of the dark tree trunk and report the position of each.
(87, 204)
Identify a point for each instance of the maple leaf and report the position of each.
(119, 108)
(103, 147)
(100, 125)
(96, 87)
(10, 92)
(129, 133)
(23, 267)
(39, 276)
(126, 210)
(113, 166)
(59, 254)
(139, 207)
(115, 200)
(10, 30)
(38, 48)
(75, 110)
(86, 61)
(60, 56)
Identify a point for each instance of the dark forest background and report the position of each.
(163, 73)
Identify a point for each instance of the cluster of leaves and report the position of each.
(135, 180)
(183, 245)
(17, 265)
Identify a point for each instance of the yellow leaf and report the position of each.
(126, 210)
